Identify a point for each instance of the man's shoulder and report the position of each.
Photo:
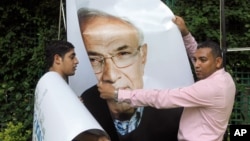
(91, 98)
(165, 121)
(90, 92)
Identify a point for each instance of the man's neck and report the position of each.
(63, 76)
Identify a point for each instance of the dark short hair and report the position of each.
(216, 50)
(54, 47)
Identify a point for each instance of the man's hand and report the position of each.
(106, 90)
(119, 110)
(179, 21)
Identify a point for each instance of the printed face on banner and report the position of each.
(118, 29)
(114, 47)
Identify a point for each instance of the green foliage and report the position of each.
(203, 20)
(25, 27)
(200, 15)
(15, 132)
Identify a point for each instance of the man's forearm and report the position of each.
(190, 44)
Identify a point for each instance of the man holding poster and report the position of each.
(60, 120)
(118, 55)
(207, 105)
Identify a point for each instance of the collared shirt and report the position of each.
(124, 127)
(208, 105)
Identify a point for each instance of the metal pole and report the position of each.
(64, 19)
(223, 32)
(59, 23)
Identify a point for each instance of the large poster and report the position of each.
(167, 63)
(150, 54)
(140, 48)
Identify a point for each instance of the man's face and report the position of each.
(69, 63)
(111, 37)
(205, 63)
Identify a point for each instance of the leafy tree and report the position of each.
(15, 133)
(25, 27)
(203, 20)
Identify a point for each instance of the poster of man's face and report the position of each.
(115, 48)
(126, 45)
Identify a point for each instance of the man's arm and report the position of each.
(198, 94)
(189, 41)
